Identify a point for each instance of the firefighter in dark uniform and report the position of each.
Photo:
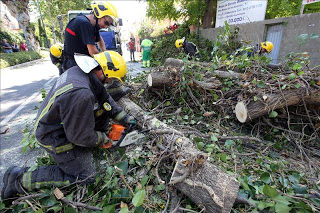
(81, 34)
(71, 121)
(258, 49)
(56, 56)
(189, 48)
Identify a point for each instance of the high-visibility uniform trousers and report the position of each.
(146, 58)
(75, 165)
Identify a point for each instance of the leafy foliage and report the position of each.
(164, 46)
(11, 59)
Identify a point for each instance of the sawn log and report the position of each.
(249, 110)
(204, 183)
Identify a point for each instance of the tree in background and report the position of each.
(51, 9)
(19, 10)
(191, 11)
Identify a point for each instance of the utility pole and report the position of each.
(44, 27)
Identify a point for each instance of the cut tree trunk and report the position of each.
(159, 80)
(204, 183)
(249, 110)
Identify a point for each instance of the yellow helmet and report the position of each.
(179, 42)
(105, 9)
(268, 46)
(112, 63)
(56, 50)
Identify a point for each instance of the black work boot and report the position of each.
(11, 182)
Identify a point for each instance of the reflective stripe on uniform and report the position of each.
(26, 180)
(120, 116)
(58, 149)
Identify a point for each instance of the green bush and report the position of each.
(10, 59)
(16, 37)
(164, 46)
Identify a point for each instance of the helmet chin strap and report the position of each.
(97, 25)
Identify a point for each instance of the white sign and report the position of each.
(240, 11)
(309, 1)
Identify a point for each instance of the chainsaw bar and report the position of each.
(131, 138)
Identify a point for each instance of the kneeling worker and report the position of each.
(71, 121)
(189, 48)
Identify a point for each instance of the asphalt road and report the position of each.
(21, 90)
(20, 97)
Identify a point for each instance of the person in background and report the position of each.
(23, 47)
(15, 47)
(189, 48)
(5, 46)
(132, 49)
(71, 122)
(56, 56)
(258, 49)
(146, 49)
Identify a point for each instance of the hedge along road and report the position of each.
(20, 98)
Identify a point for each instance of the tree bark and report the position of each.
(208, 15)
(249, 110)
(204, 183)
(19, 10)
(159, 80)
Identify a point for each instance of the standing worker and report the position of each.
(132, 48)
(56, 56)
(83, 31)
(81, 34)
(189, 48)
(146, 49)
(71, 121)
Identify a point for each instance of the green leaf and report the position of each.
(265, 177)
(300, 189)
(316, 201)
(209, 150)
(273, 114)
(229, 143)
(255, 98)
(292, 76)
(269, 191)
(2, 206)
(214, 138)
(109, 209)
(123, 166)
(144, 180)
(281, 199)
(124, 210)
(284, 87)
(72, 210)
(313, 36)
(262, 205)
(297, 85)
(281, 208)
(39, 211)
(200, 145)
(261, 84)
(168, 103)
(160, 187)
(157, 124)
(138, 198)
(300, 73)
(295, 178)
(223, 157)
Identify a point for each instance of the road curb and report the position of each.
(24, 64)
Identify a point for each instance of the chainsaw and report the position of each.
(121, 136)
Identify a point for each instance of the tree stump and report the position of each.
(159, 80)
(204, 183)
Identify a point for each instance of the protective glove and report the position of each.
(106, 142)
(129, 120)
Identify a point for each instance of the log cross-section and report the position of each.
(203, 182)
